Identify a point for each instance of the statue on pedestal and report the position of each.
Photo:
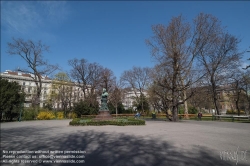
(103, 113)
(104, 106)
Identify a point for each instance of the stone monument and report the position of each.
(103, 113)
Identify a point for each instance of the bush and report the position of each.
(29, 114)
(71, 115)
(181, 110)
(234, 112)
(46, 115)
(117, 122)
(112, 109)
(192, 110)
(60, 115)
(84, 108)
(128, 111)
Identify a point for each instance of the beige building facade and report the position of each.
(29, 87)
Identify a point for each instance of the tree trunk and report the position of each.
(167, 115)
(116, 111)
(1, 115)
(142, 104)
(185, 105)
(237, 105)
(214, 95)
(175, 113)
(185, 102)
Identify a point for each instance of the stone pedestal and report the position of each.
(103, 115)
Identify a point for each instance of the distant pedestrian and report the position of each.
(199, 115)
(137, 115)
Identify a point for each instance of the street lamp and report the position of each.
(20, 116)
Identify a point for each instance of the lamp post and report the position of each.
(20, 116)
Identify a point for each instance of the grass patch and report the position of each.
(115, 121)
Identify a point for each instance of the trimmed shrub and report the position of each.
(117, 122)
(46, 115)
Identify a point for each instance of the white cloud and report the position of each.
(26, 18)
(19, 17)
(57, 11)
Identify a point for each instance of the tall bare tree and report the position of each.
(174, 49)
(137, 79)
(218, 53)
(32, 52)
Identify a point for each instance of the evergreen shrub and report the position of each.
(29, 114)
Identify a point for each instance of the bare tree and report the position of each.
(116, 95)
(202, 98)
(63, 91)
(138, 79)
(32, 53)
(174, 49)
(246, 88)
(236, 88)
(107, 80)
(247, 65)
(218, 52)
(159, 94)
(88, 77)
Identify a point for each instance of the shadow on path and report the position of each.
(109, 149)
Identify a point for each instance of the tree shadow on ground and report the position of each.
(109, 149)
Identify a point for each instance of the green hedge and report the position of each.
(117, 122)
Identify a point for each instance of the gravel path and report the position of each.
(158, 143)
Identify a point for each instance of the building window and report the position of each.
(23, 83)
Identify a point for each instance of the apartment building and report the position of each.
(28, 86)
(129, 97)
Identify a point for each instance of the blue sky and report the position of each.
(107, 32)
